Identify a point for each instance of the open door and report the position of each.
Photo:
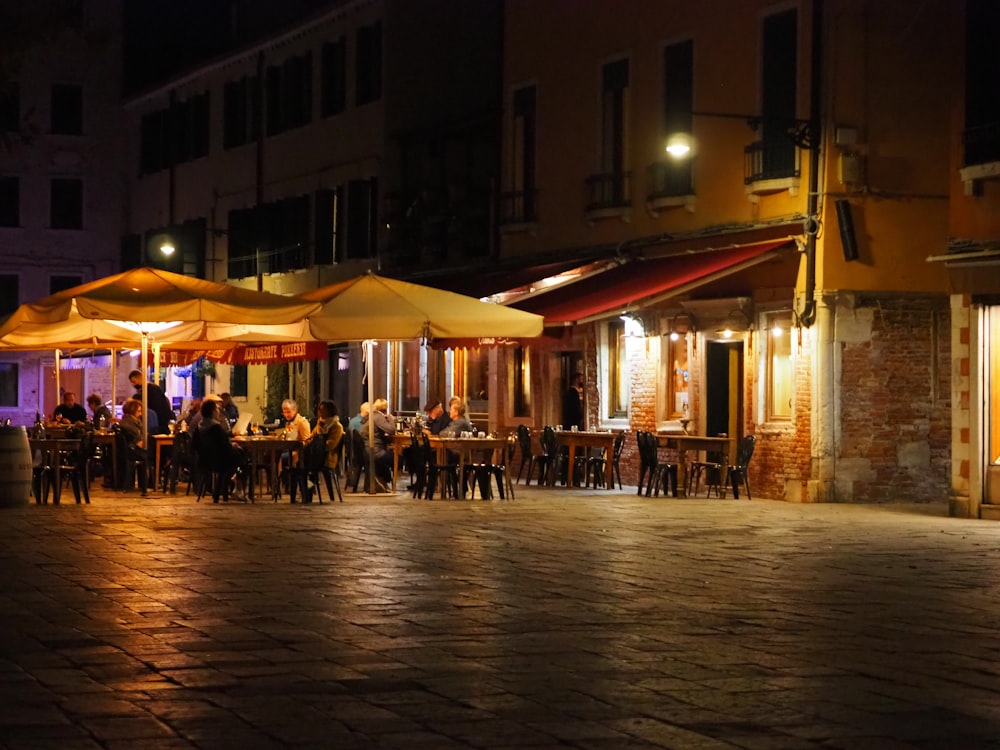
(724, 390)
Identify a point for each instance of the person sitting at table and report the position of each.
(296, 426)
(135, 439)
(217, 414)
(69, 412)
(457, 421)
(214, 452)
(437, 417)
(194, 408)
(328, 425)
(99, 410)
(384, 429)
(357, 419)
(230, 410)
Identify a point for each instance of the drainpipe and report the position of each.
(808, 315)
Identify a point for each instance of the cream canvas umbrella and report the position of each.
(137, 306)
(371, 307)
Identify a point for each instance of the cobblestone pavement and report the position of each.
(563, 619)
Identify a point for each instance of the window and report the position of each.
(618, 371)
(241, 112)
(10, 108)
(269, 238)
(188, 124)
(368, 64)
(780, 371)
(776, 154)
(610, 188)
(289, 94)
(67, 109)
(238, 381)
(8, 384)
(334, 85)
(675, 376)
(327, 215)
(361, 218)
(10, 202)
(981, 138)
(66, 203)
(674, 175)
(10, 293)
(519, 205)
(520, 381)
(59, 283)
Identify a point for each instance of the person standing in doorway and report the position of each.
(572, 405)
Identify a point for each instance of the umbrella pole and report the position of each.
(58, 384)
(144, 359)
(373, 486)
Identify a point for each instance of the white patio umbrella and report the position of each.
(132, 308)
(371, 307)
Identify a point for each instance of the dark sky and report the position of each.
(164, 38)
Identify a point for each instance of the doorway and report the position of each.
(724, 389)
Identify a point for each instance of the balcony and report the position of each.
(770, 166)
(981, 155)
(608, 195)
(518, 209)
(669, 183)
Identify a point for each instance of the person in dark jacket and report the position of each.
(158, 404)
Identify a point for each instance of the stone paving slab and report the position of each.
(562, 619)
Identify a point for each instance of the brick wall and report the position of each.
(895, 402)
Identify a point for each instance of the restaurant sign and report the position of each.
(249, 354)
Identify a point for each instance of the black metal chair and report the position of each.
(596, 464)
(528, 457)
(133, 464)
(740, 471)
(443, 477)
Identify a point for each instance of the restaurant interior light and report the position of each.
(167, 248)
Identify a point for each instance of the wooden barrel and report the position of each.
(15, 467)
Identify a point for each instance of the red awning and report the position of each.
(643, 282)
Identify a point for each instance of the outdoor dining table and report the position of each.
(464, 447)
(265, 450)
(161, 441)
(50, 450)
(588, 439)
(682, 443)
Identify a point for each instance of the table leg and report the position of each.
(55, 460)
(682, 472)
(608, 468)
(396, 450)
(571, 469)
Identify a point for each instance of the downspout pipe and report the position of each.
(808, 315)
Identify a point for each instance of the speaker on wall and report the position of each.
(846, 223)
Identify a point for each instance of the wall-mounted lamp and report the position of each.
(803, 133)
(681, 324)
(735, 321)
(167, 248)
(633, 325)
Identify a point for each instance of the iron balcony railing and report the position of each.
(518, 207)
(770, 160)
(610, 190)
(669, 179)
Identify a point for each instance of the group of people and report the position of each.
(450, 423)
